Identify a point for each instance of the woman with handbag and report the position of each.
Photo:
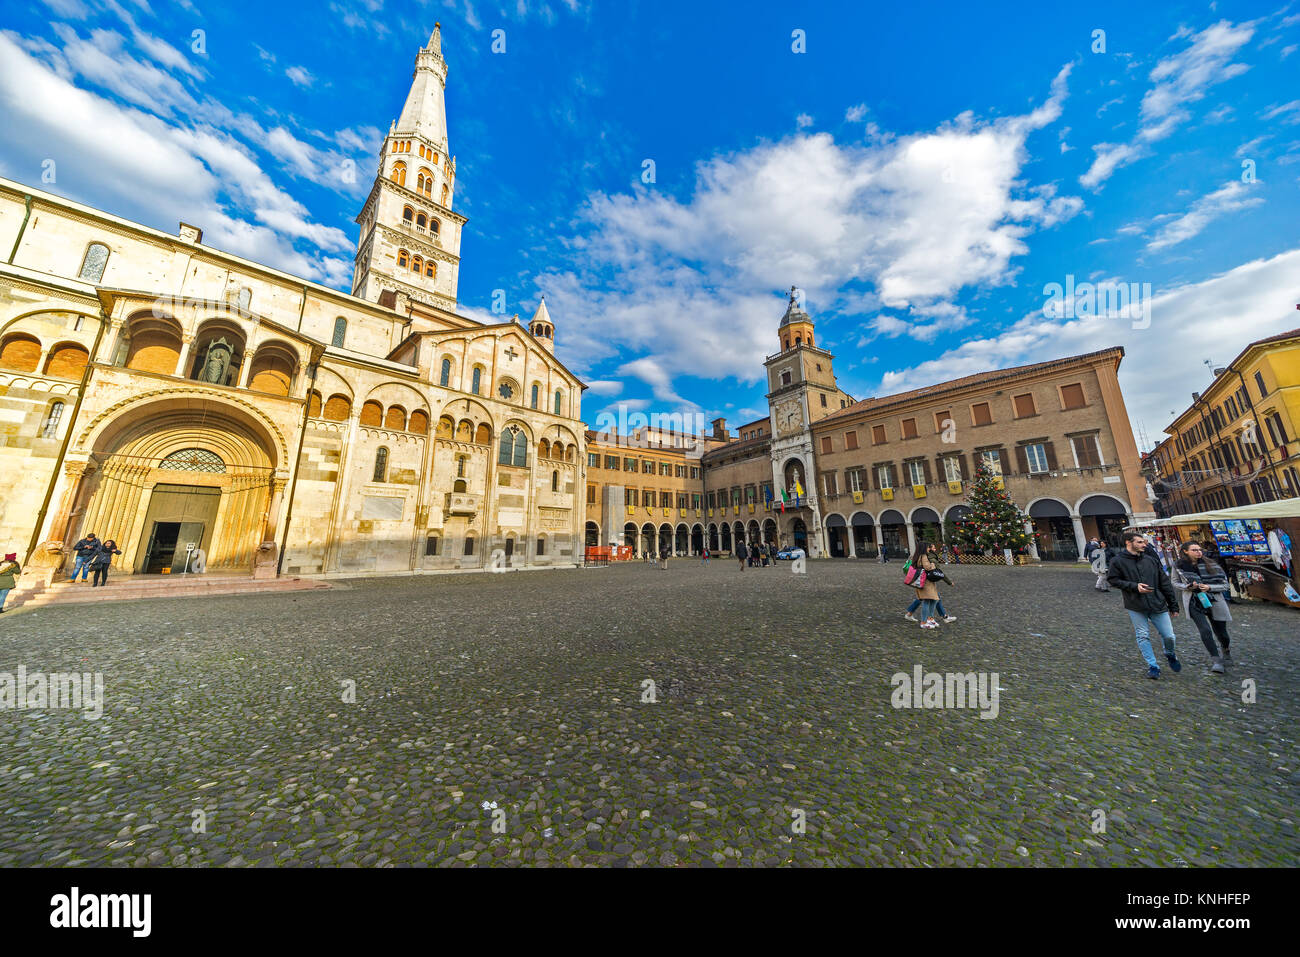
(927, 591)
(1204, 586)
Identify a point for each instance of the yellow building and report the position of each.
(1236, 444)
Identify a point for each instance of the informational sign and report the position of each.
(1240, 538)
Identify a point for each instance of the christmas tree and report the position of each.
(994, 521)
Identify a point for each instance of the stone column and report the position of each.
(183, 360)
(1080, 539)
(911, 538)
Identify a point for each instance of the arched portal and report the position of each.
(1053, 530)
(647, 538)
(799, 531)
(697, 539)
(1105, 517)
(713, 537)
(769, 531)
(926, 525)
(683, 538)
(592, 538)
(165, 475)
(665, 539)
(837, 535)
(864, 535)
(893, 531)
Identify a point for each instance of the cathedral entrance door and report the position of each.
(178, 516)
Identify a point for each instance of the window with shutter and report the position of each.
(952, 469)
(883, 477)
(878, 435)
(850, 441)
(909, 428)
(1087, 454)
(826, 443)
(1036, 455)
(1072, 396)
(915, 475)
(1024, 405)
(981, 414)
(992, 460)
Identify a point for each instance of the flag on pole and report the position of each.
(798, 493)
(784, 498)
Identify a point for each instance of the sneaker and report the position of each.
(909, 616)
(929, 623)
(1153, 672)
(1216, 666)
(1174, 663)
(949, 617)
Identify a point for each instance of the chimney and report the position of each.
(720, 429)
(191, 234)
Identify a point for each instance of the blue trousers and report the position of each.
(1165, 627)
(916, 603)
(83, 566)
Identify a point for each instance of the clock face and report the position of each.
(789, 417)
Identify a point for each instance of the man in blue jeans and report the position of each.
(1148, 597)
(84, 550)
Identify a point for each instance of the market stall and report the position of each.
(1253, 542)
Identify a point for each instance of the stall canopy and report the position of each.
(1286, 508)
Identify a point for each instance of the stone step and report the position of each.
(63, 593)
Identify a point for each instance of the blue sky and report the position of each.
(921, 172)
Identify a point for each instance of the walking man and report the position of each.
(1148, 597)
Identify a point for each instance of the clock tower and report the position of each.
(801, 390)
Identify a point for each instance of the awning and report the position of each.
(1285, 508)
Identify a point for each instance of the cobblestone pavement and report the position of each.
(524, 691)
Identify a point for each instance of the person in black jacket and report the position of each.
(100, 561)
(1148, 596)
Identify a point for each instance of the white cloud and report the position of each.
(803, 121)
(605, 387)
(1177, 81)
(1227, 199)
(300, 76)
(855, 114)
(687, 286)
(1288, 112)
(1205, 320)
(197, 173)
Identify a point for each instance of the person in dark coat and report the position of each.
(9, 572)
(1204, 585)
(100, 561)
(1149, 598)
(84, 551)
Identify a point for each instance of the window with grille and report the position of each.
(341, 334)
(431, 545)
(51, 427)
(193, 460)
(381, 465)
(92, 266)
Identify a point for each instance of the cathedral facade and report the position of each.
(209, 413)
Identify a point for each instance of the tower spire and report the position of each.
(425, 111)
